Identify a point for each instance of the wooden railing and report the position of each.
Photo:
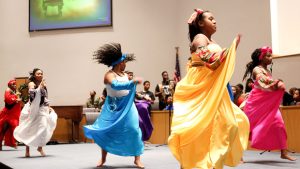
(161, 121)
(291, 118)
(68, 123)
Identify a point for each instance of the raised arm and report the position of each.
(111, 80)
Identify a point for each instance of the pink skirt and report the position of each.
(267, 129)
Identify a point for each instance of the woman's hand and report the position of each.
(51, 109)
(280, 85)
(137, 80)
(238, 39)
(43, 84)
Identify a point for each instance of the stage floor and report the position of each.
(86, 155)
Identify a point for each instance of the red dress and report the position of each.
(9, 118)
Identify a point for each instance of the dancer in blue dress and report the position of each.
(117, 128)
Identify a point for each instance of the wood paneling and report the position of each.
(161, 127)
(68, 123)
(291, 117)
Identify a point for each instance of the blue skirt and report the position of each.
(116, 130)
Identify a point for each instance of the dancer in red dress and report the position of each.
(9, 115)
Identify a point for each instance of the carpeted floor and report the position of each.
(85, 156)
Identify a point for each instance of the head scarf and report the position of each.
(263, 51)
(11, 82)
(119, 60)
(194, 15)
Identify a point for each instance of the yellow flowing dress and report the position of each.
(208, 129)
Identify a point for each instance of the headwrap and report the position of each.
(11, 82)
(194, 15)
(263, 51)
(119, 60)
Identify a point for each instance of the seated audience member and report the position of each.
(129, 74)
(92, 102)
(241, 87)
(162, 90)
(249, 85)
(287, 98)
(248, 88)
(143, 102)
(102, 98)
(172, 87)
(296, 97)
(238, 96)
(292, 90)
(146, 94)
(169, 103)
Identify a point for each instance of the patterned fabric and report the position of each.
(212, 60)
(267, 129)
(208, 130)
(264, 78)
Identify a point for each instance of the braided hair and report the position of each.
(110, 53)
(255, 62)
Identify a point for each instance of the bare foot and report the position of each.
(40, 149)
(139, 164)
(101, 163)
(242, 161)
(286, 156)
(27, 154)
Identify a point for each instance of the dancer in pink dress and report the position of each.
(267, 130)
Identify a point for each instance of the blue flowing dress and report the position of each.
(117, 130)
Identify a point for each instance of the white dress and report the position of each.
(36, 123)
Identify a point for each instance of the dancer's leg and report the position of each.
(284, 155)
(137, 162)
(103, 158)
(2, 133)
(27, 153)
(40, 149)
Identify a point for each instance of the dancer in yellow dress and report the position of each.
(208, 130)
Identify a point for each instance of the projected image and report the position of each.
(64, 14)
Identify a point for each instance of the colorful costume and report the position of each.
(116, 130)
(37, 121)
(267, 130)
(208, 130)
(9, 118)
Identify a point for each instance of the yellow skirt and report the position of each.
(208, 130)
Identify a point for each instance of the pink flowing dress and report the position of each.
(267, 129)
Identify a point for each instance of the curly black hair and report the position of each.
(194, 28)
(110, 53)
(255, 62)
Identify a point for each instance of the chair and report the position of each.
(85, 109)
(91, 117)
(91, 114)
